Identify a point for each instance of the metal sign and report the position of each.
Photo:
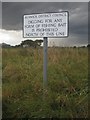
(46, 25)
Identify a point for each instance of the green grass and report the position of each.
(22, 77)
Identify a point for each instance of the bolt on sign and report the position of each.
(46, 25)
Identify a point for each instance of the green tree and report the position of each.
(32, 43)
(39, 42)
(27, 42)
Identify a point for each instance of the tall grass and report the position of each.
(67, 92)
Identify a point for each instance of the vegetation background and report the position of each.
(22, 76)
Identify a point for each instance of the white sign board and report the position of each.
(46, 25)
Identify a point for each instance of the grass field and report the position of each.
(22, 77)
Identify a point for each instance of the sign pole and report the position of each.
(49, 25)
(45, 47)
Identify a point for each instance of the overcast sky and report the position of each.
(12, 13)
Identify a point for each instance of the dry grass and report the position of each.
(67, 92)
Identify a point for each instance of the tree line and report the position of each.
(30, 43)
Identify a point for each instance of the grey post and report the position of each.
(45, 47)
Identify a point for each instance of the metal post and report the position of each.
(45, 47)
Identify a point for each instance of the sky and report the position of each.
(12, 13)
